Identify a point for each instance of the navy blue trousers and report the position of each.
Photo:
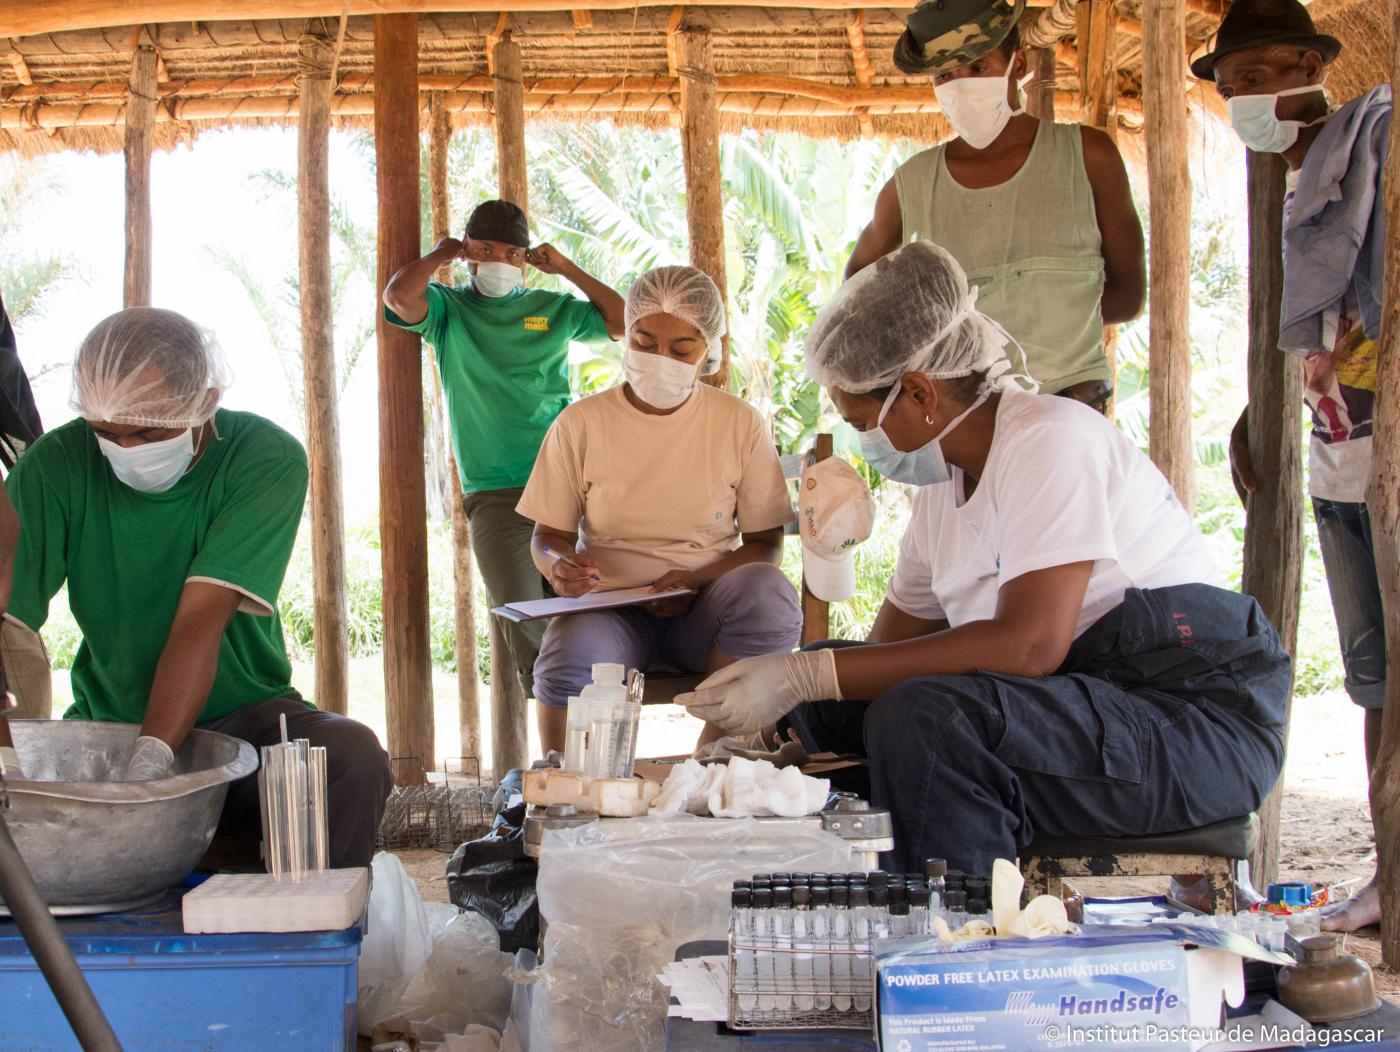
(1166, 715)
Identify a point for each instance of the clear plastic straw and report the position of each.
(319, 825)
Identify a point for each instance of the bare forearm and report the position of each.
(405, 293)
(184, 676)
(602, 296)
(867, 672)
(1122, 302)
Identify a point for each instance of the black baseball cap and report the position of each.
(1260, 23)
(502, 221)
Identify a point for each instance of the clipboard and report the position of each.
(539, 609)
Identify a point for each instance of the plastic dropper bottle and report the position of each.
(741, 930)
(763, 956)
(919, 919)
(839, 939)
(821, 942)
(802, 945)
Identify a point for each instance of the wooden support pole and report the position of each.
(318, 364)
(1098, 63)
(463, 572)
(1040, 94)
(509, 86)
(403, 511)
(510, 746)
(1169, 258)
(1273, 530)
(140, 119)
(1383, 501)
(704, 193)
(816, 613)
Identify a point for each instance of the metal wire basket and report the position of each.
(455, 806)
(775, 984)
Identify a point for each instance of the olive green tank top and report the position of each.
(1031, 246)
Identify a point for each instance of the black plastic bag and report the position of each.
(493, 877)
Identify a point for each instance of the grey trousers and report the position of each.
(357, 774)
(501, 544)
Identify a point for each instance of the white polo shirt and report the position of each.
(1061, 485)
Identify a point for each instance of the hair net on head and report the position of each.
(686, 293)
(148, 366)
(909, 312)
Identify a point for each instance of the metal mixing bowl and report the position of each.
(95, 845)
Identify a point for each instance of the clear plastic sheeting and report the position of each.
(430, 963)
(620, 897)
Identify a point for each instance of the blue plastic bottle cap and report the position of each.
(1291, 893)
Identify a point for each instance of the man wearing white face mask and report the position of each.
(1268, 61)
(171, 521)
(1039, 214)
(662, 481)
(502, 352)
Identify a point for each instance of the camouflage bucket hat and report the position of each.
(942, 35)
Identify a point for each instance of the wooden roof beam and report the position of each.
(673, 27)
(18, 64)
(20, 18)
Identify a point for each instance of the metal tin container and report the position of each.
(95, 845)
(1327, 987)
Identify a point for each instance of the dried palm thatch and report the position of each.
(822, 71)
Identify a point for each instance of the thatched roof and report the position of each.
(820, 70)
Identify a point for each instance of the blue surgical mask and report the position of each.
(152, 467)
(924, 466)
(1259, 127)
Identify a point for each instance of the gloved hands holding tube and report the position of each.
(150, 759)
(758, 691)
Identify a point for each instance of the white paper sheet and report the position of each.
(535, 609)
(701, 985)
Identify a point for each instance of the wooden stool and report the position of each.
(1214, 850)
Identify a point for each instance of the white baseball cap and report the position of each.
(835, 512)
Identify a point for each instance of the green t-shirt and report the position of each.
(126, 555)
(504, 363)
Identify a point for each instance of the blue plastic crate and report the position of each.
(165, 990)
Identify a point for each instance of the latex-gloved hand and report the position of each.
(758, 691)
(9, 762)
(150, 759)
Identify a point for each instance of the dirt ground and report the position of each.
(1326, 830)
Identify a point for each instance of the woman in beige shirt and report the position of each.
(661, 481)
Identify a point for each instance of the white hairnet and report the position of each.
(150, 367)
(909, 312)
(685, 293)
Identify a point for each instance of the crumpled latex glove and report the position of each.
(150, 759)
(759, 691)
(9, 762)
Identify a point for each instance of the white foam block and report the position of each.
(238, 902)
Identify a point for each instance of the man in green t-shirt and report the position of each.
(172, 522)
(503, 354)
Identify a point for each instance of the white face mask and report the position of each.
(152, 467)
(977, 107)
(658, 380)
(497, 279)
(1259, 127)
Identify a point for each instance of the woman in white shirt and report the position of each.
(662, 481)
(1054, 654)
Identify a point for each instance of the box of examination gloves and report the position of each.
(1161, 987)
